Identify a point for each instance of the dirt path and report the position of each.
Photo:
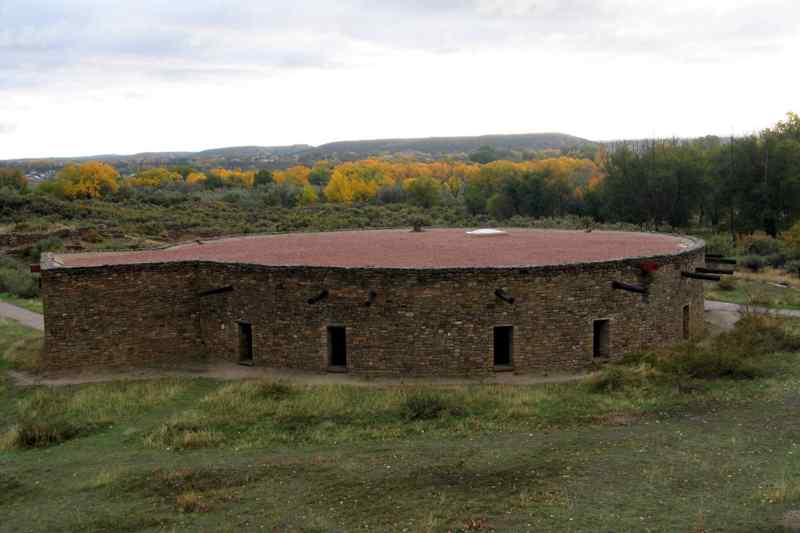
(23, 316)
(713, 305)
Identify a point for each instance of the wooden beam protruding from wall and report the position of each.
(319, 297)
(725, 271)
(218, 290)
(627, 287)
(720, 260)
(704, 277)
(503, 295)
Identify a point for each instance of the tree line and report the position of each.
(746, 184)
(742, 185)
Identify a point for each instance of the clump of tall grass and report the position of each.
(24, 354)
(428, 405)
(182, 434)
(49, 416)
(727, 283)
(730, 355)
(27, 433)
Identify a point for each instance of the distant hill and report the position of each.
(272, 157)
(452, 145)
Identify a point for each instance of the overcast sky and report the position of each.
(81, 77)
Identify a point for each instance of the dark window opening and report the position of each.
(503, 342)
(337, 346)
(600, 342)
(245, 343)
(686, 330)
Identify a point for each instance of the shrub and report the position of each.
(763, 246)
(704, 363)
(418, 222)
(730, 355)
(720, 244)
(19, 283)
(394, 194)
(273, 390)
(191, 502)
(29, 433)
(727, 283)
(50, 244)
(182, 434)
(25, 354)
(613, 378)
(756, 335)
(427, 405)
(776, 260)
(753, 262)
(793, 267)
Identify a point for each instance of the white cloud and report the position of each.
(81, 77)
(7, 128)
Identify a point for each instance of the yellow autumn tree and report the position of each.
(92, 179)
(296, 175)
(308, 196)
(339, 189)
(358, 181)
(231, 178)
(154, 177)
(196, 177)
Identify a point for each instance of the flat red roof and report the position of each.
(401, 248)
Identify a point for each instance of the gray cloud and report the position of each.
(47, 41)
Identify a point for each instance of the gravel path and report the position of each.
(713, 305)
(23, 316)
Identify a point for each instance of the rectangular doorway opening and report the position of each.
(686, 328)
(245, 343)
(600, 339)
(503, 346)
(337, 348)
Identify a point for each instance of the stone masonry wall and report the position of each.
(102, 317)
(422, 322)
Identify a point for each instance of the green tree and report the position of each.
(13, 178)
(263, 177)
(321, 174)
(424, 192)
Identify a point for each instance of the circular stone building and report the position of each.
(443, 302)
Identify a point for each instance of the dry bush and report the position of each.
(183, 433)
(730, 355)
(191, 502)
(427, 405)
(25, 354)
(27, 434)
(727, 283)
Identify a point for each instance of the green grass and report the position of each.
(757, 293)
(31, 304)
(204, 455)
(19, 345)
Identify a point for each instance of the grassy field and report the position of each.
(759, 289)
(641, 448)
(31, 304)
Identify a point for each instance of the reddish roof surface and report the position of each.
(436, 248)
